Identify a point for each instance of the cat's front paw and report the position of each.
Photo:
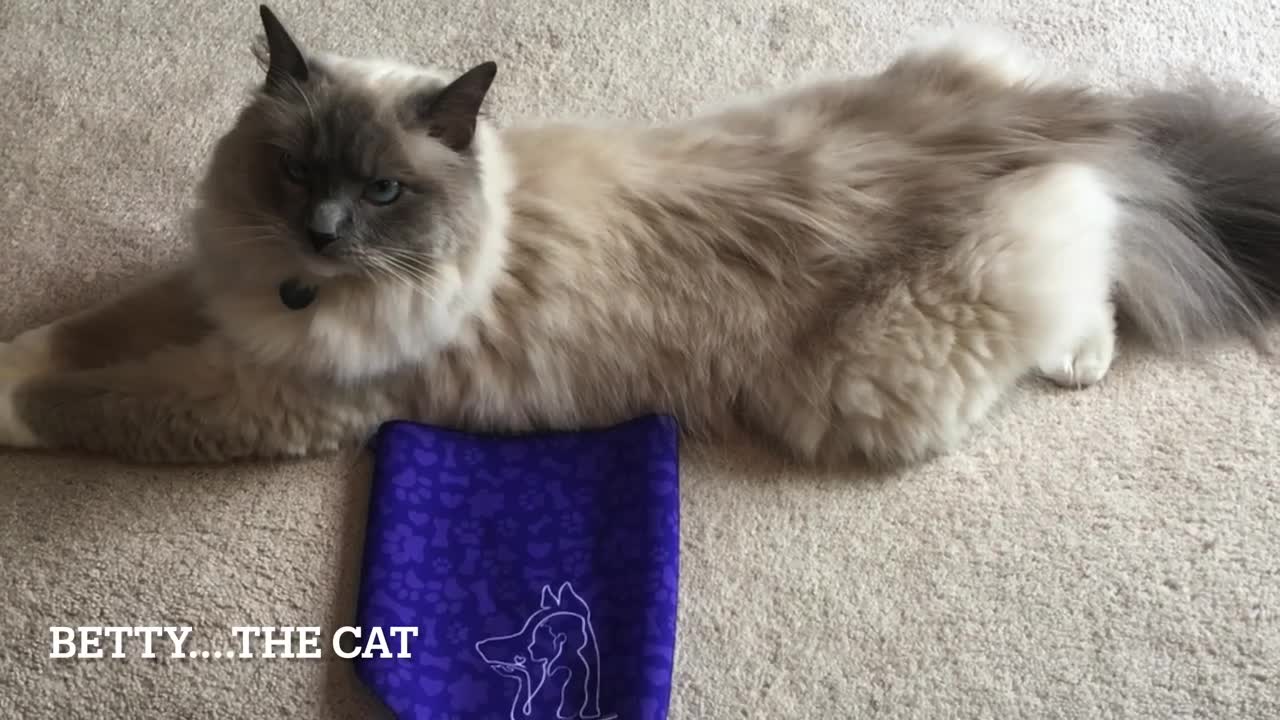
(9, 357)
(28, 353)
(20, 361)
(14, 432)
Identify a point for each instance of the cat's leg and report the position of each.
(162, 312)
(1072, 328)
(184, 405)
(1029, 283)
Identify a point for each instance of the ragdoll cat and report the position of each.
(852, 268)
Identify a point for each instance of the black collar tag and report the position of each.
(295, 295)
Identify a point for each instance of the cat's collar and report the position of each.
(295, 295)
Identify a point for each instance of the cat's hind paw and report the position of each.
(1086, 366)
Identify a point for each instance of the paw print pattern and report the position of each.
(531, 500)
(472, 457)
(405, 545)
(465, 530)
(468, 532)
(425, 459)
(574, 524)
(457, 633)
(577, 563)
(410, 489)
(445, 596)
(487, 504)
(406, 586)
(508, 527)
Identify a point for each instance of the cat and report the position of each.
(853, 268)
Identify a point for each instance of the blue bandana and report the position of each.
(540, 572)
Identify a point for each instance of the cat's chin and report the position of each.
(318, 268)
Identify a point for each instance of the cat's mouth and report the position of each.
(322, 267)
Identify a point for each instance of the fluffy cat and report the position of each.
(852, 268)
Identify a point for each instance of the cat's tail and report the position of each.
(1200, 253)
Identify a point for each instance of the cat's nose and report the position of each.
(327, 220)
(321, 240)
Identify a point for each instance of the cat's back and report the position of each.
(827, 174)
(918, 112)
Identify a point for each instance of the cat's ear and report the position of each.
(569, 598)
(286, 65)
(450, 115)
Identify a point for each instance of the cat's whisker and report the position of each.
(413, 263)
(262, 240)
(234, 234)
(412, 267)
(408, 280)
(253, 226)
(421, 274)
(380, 268)
(415, 281)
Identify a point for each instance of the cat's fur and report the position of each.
(856, 267)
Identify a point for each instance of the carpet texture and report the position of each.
(1108, 553)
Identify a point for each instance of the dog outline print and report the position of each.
(555, 649)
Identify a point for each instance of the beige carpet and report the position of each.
(1111, 553)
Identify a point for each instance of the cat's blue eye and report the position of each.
(293, 169)
(382, 192)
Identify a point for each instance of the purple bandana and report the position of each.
(540, 571)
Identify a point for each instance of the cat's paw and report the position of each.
(14, 433)
(1087, 365)
(11, 359)
(28, 353)
(21, 360)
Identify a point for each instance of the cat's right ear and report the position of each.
(286, 65)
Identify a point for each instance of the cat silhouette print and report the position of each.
(555, 652)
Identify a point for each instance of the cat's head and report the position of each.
(350, 168)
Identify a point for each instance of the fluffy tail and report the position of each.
(1200, 255)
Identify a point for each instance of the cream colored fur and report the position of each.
(988, 50)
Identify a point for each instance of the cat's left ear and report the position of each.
(451, 115)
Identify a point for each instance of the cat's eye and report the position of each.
(382, 192)
(293, 168)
